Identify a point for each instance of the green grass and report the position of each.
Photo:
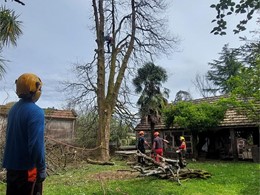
(228, 178)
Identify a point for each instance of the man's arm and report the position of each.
(166, 141)
(147, 144)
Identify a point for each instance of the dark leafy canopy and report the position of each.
(249, 52)
(246, 86)
(149, 78)
(196, 117)
(148, 82)
(223, 69)
(228, 7)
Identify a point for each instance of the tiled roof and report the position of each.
(54, 113)
(233, 118)
(49, 112)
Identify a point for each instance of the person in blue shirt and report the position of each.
(24, 154)
(141, 146)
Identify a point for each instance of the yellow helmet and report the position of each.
(28, 86)
(182, 138)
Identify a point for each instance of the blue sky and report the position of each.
(57, 34)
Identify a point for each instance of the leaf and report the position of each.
(214, 29)
(235, 31)
(232, 4)
(213, 6)
(243, 11)
(229, 13)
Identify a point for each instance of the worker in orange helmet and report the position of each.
(141, 146)
(158, 145)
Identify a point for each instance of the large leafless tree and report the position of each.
(138, 31)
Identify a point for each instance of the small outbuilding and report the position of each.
(59, 124)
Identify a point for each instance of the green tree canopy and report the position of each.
(195, 117)
(148, 83)
(246, 90)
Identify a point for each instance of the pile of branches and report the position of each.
(60, 155)
(174, 169)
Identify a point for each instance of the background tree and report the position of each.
(86, 133)
(246, 90)
(138, 32)
(202, 84)
(222, 70)
(148, 83)
(246, 55)
(228, 7)
(182, 96)
(10, 30)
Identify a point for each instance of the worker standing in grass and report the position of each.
(141, 146)
(158, 145)
(182, 147)
(24, 155)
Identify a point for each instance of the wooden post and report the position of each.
(233, 144)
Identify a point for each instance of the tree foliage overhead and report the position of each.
(17, 1)
(225, 8)
(10, 27)
(10, 31)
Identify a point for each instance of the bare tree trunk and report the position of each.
(107, 102)
(104, 135)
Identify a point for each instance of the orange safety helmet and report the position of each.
(141, 133)
(28, 86)
(156, 133)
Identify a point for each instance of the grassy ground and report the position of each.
(228, 178)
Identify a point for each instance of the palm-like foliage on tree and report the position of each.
(148, 83)
(9, 32)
